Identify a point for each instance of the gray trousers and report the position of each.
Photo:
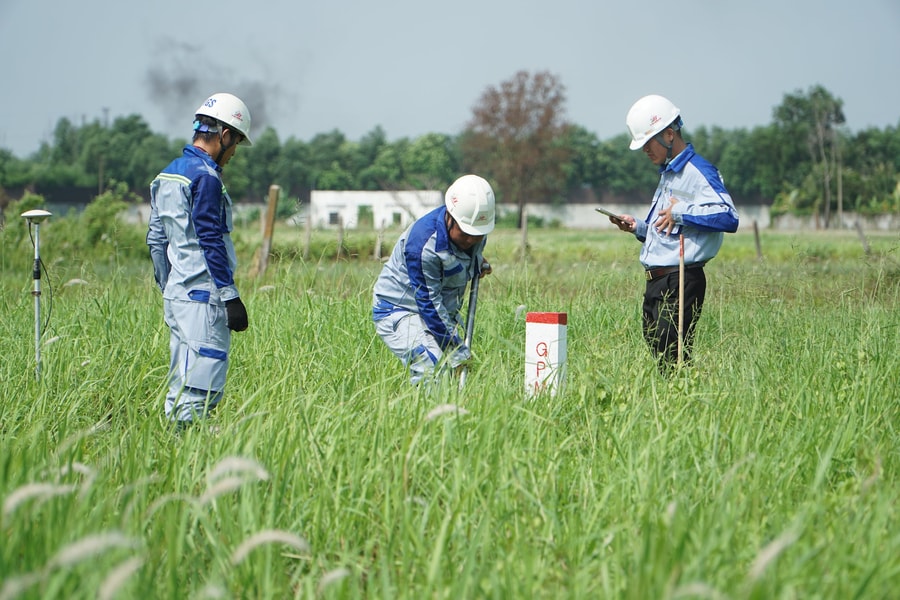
(410, 340)
(199, 343)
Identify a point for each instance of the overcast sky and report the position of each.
(414, 66)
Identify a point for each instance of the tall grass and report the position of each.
(769, 469)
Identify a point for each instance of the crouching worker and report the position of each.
(419, 295)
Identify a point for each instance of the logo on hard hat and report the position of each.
(454, 199)
(654, 119)
(237, 115)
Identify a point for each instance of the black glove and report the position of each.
(237, 314)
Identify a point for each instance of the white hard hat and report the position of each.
(470, 200)
(647, 117)
(231, 111)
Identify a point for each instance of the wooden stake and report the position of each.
(862, 237)
(268, 230)
(759, 255)
(308, 227)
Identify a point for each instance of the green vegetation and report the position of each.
(770, 469)
(804, 162)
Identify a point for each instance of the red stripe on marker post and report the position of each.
(551, 318)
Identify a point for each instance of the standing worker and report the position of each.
(194, 259)
(690, 201)
(420, 291)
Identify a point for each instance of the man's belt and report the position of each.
(663, 271)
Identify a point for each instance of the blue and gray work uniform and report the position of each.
(419, 294)
(703, 212)
(193, 263)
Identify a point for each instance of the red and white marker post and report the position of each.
(545, 352)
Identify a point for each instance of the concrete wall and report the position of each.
(583, 216)
(890, 222)
(575, 216)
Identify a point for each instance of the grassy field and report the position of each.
(767, 470)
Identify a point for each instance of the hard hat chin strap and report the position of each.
(662, 142)
(675, 126)
(223, 146)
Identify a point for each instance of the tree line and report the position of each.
(804, 162)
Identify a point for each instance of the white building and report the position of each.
(373, 209)
(396, 210)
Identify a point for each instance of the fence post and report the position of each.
(523, 250)
(759, 255)
(862, 236)
(340, 238)
(263, 262)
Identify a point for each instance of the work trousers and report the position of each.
(660, 314)
(199, 344)
(408, 337)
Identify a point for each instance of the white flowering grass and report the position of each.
(117, 578)
(769, 469)
(33, 491)
(270, 536)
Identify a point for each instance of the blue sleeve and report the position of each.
(209, 222)
(425, 271)
(711, 216)
(712, 208)
(640, 230)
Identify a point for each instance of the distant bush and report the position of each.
(13, 229)
(96, 233)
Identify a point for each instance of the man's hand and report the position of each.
(666, 220)
(459, 356)
(486, 268)
(626, 223)
(237, 314)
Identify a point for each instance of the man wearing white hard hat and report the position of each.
(420, 291)
(194, 260)
(690, 211)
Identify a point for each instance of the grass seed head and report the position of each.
(332, 577)
(238, 465)
(117, 577)
(444, 409)
(269, 536)
(90, 546)
(41, 491)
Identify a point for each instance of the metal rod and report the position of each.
(680, 300)
(470, 325)
(36, 276)
(34, 217)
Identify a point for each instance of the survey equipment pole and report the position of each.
(35, 217)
